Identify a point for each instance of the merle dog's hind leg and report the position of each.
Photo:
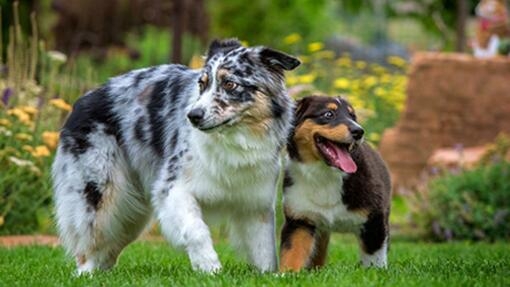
(373, 239)
(100, 207)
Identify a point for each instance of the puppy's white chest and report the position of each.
(316, 194)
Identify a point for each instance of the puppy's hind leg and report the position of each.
(298, 245)
(373, 240)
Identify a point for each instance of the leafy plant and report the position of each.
(473, 205)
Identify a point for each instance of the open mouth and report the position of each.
(337, 154)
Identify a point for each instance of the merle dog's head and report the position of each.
(240, 86)
(325, 130)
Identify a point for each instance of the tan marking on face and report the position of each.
(300, 252)
(222, 73)
(350, 109)
(144, 96)
(258, 117)
(332, 106)
(205, 79)
(305, 142)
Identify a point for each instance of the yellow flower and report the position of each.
(23, 137)
(370, 81)
(196, 62)
(344, 61)
(41, 151)
(315, 47)
(304, 59)
(292, 80)
(50, 139)
(341, 83)
(245, 43)
(397, 61)
(5, 122)
(326, 54)
(292, 39)
(361, 65)
(306, 78)
(22, 116)
(28, 148)
(29, 110)
(379, 92)
(61, 104)
(374, 137)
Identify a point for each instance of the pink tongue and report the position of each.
(340, 158)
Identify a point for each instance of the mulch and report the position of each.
(26, 240)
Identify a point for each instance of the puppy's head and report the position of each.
(240, 86)
(326, 130)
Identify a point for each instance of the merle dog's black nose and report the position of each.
(356, 132)
(196, 115)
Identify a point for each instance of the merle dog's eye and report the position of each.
(229, 85)
(328, 115)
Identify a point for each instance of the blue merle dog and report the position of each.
(185, 145)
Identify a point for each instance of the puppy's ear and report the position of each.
(301, 107)
(273, 58)
(223, 46)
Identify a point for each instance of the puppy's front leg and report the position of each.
(257, 236)
(181, 221)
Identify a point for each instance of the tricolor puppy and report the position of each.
(334, 182)
(185, 145)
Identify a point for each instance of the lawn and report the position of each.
(155, 264)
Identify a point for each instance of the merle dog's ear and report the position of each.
(279, 59)
(224, 46)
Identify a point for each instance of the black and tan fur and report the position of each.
(320, 198)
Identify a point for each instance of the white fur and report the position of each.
(316, 195)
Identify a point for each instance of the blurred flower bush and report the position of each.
(35, 88)
(376, 92)
(470, 205)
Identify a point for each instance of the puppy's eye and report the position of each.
(229, 85)
(328, 115)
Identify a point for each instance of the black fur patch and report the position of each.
(223, 46)
(139, 129)
(287, 180)
(92, 194)
(276, 108)
(374, 232)
(89, 111)
(156, 119)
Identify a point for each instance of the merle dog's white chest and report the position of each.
(316, 194)
(236, 177)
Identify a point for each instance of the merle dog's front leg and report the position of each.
(181, 222)
(256, 235)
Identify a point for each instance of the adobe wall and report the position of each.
(451, 99)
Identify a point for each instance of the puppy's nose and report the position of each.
(356, 132)
(196, 115)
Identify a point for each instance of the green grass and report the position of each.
(155, 264)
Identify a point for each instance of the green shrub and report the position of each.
(473, 205)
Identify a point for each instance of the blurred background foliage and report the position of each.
(52, 51)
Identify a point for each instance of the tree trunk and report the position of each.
(462, 14)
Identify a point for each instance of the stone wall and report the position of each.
(452, 99)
